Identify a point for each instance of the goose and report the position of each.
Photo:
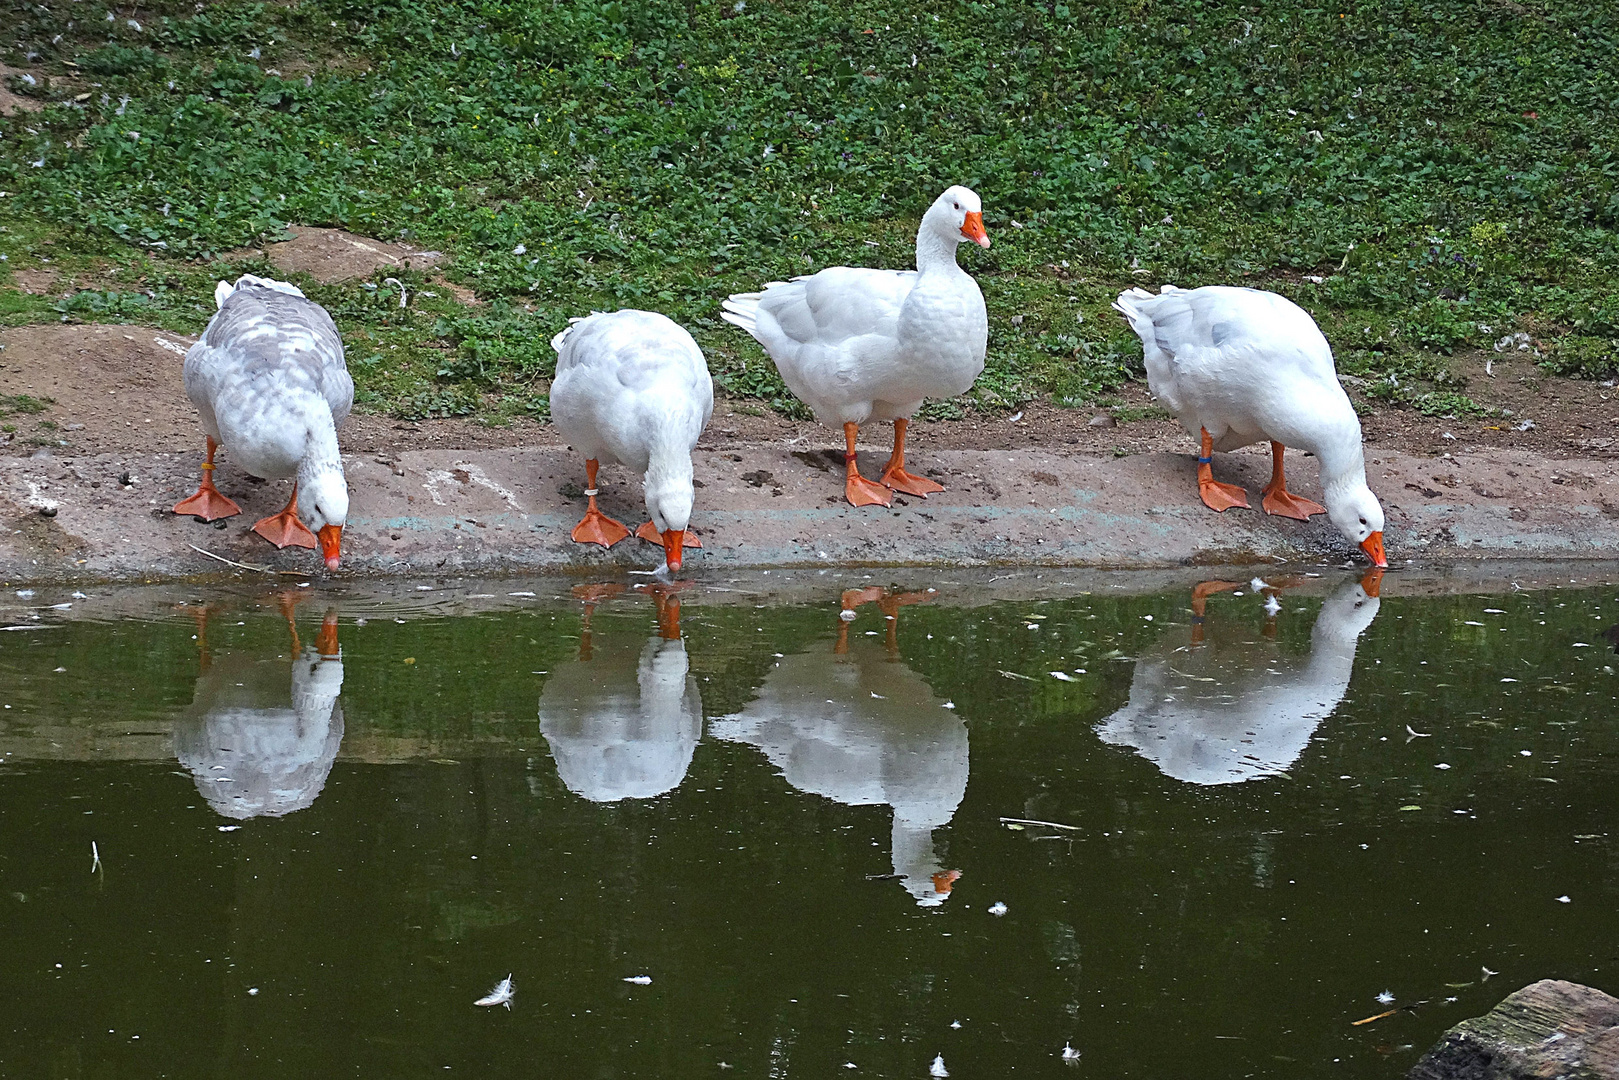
(1232, 708)
(855, 725)
(632, 388)
(1237, 366)
(253, 750)
(857, 345)
(623, 720)
(270, 385)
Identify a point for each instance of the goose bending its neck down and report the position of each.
(856, 344)
(1238, 366)
(270, 386)
(632, 387)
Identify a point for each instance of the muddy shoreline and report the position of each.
(508, 511)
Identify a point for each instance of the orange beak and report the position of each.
(943, 880)
(1373, 547)
(326, 641)
(1372, 583)
(973, 229)
(673, 541)
(331, 544)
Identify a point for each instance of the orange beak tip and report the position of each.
(1373, 547)
(331, 544)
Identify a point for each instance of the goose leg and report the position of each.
(856, 488)
(896, 477)
(208, 504)
(597, 527)
(1278, 500)
(284, 529)
(1216, 496)
(1200, 603)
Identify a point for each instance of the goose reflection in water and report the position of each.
(253, 749)
(623, 720)
(859, 727)
(1227, 708)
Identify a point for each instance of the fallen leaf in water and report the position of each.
(1369, 1019)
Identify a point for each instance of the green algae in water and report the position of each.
(1234, 831)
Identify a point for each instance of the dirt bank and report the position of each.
(1047, 489)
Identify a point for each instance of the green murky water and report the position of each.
(794, 825)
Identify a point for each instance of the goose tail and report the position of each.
(1129, 305)
(224, 289)
(562, 338)
(742, 309)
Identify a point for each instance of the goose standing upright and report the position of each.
(856, 344)
(1239, 365)
(632, 387)
(856, 726)
(270, 385)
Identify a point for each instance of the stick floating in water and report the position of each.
(500, 995)
(95, 857)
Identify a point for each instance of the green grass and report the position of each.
(1445, 167)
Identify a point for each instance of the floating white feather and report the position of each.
(500, 995)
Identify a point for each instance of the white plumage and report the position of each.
(632, 388)
(860, 728)
(624, 719)
(1233, 708)
(1238, 366)
(857, 345)
(253, 750)
(270, 384)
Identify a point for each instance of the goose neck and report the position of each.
(933, 250)
(320, 450)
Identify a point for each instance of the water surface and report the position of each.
(325, 822)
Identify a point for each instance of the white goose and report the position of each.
(624, 719)
(251, 750)
(857, 345)
(1235, 708)
(857, 726)
(1237, 366)
(632, 387)
(270, 385)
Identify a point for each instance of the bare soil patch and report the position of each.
(118, 389)
(12, 104)
(332, 255)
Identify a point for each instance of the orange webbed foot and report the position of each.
(1222, 497)
(207, 505)
(598, 528)
(649, 532)
(284, 530)
(862, 492)
(1284, 503)
(910, 484)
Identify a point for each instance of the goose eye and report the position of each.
(956, 206)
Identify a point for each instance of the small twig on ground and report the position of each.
(1047, 824)
(244, 566)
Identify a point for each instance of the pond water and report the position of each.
(799, 827)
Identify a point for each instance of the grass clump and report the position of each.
(1418, 174)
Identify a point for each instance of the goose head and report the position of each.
(1359, 516)
(668, 501)
(958, 215)
(323, 500)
